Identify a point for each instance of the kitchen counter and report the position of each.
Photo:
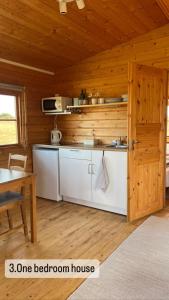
(81, 147)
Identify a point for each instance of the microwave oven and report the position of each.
(55, 104)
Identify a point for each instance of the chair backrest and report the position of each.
(20, 158)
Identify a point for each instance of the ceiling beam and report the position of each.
(10, 62)
(164, 5)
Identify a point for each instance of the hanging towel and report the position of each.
(102, 181)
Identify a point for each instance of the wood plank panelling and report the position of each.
(33, 31)
(164, 5)
(104, 124)
(107, 73)
(38, 126)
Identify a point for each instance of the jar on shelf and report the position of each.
(94, 101)
(100, 100)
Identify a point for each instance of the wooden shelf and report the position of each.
(99, 105)
(58, 113)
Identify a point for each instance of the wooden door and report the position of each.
(146, 135)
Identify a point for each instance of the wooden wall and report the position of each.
(104, 124)
(107, 73)
(38, 126)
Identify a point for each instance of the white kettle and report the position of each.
(56, 136)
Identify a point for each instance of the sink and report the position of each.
(122, 147)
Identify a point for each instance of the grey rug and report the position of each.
(137, 270)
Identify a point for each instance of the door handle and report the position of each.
(132, 143)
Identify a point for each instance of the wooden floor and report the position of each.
(64, 231)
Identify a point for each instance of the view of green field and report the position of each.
(168, 120)
(8, 123)
(8, 132)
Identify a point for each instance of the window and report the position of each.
(168, 121)
(9, 131)
(13, 129)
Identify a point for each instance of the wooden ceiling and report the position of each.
(33, 32)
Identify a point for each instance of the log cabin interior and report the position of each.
(84, 105)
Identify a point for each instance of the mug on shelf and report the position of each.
(85, 102)
(94, 101)
(101, 101)
(75, 101)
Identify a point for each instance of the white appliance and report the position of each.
(56, 136)
(55, 104)
(46, 169)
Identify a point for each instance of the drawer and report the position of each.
(75, 153)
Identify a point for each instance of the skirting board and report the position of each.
(116, 210)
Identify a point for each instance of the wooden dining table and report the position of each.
(10, 180)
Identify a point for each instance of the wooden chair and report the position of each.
(17, 157)
(10, 200)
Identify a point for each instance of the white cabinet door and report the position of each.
(45, 167)
(115, 197)
(75, 178)
(97, 157)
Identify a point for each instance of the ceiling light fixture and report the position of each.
(80, 4)
(63, 5)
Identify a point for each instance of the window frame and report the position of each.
(17, 95)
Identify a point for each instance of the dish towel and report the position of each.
(102, 181)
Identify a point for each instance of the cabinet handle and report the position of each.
(74, 150)
(89, 169)
(92, 169)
